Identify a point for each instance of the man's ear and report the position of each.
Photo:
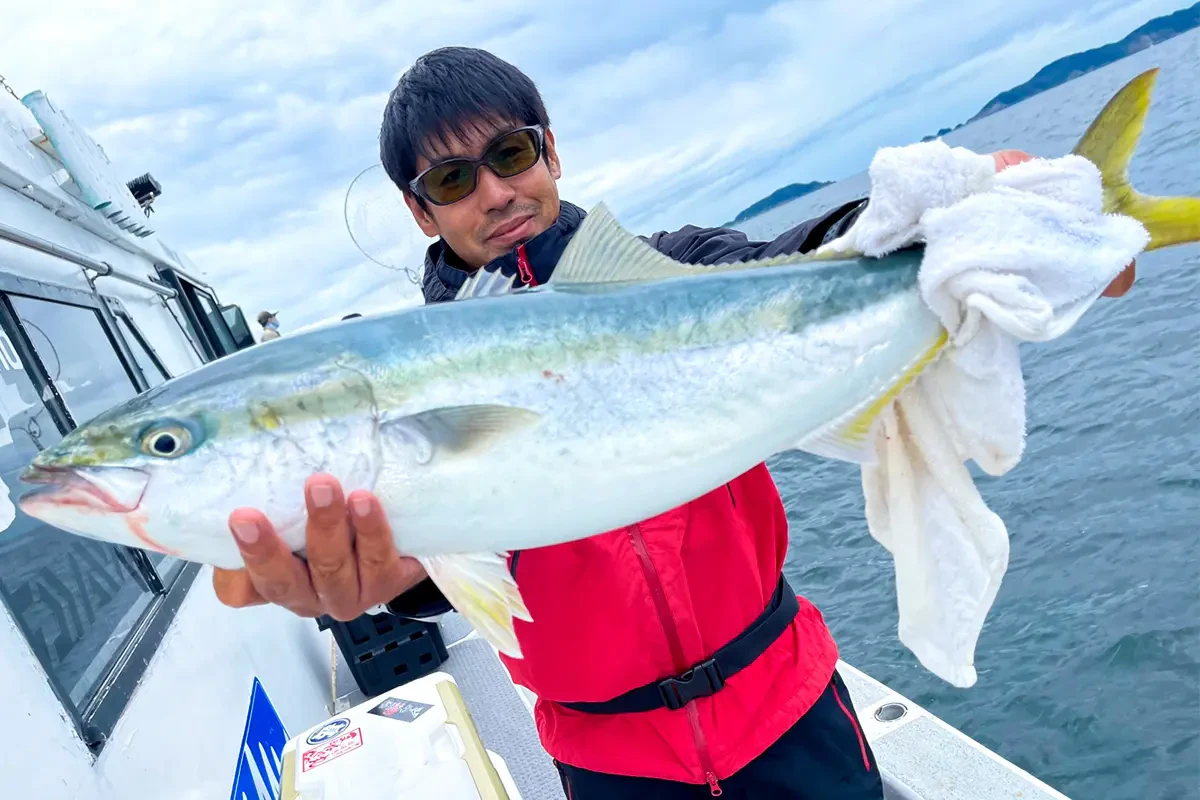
(422, 216)
(552, 156)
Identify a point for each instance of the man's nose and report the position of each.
(494, 192)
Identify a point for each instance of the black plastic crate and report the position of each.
(384, 651)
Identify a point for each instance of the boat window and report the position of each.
(77, 354)
(75, 599)
(92, 612)
(152, 369)
(216, 321)
(207, 324)
(237, 326)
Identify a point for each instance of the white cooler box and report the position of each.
(416, 741)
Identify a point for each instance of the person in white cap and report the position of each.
(270, 324)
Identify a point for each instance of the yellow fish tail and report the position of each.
(1109, 144)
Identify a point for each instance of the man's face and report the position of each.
(502, 212)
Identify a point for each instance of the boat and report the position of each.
(123, 675)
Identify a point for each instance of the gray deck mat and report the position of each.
(504, 722)
(454, 627)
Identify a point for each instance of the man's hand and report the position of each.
(1122, 283)
(352, 562)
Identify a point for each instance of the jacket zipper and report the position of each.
(676, 646)
(523, 268)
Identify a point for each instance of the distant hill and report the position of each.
(1071, 67)
(777, 198)
(1053, 74)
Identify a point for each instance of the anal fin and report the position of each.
(480, 587)
(841, 443)
(851, 437)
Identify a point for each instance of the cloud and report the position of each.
(257, 117)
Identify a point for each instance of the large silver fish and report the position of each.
(628, 385)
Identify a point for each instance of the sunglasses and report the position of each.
(507, 155)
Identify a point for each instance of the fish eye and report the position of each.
(166, 441)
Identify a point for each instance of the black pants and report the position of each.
(824, 756)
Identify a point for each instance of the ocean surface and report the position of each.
(1089, 663)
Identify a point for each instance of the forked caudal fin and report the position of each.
(480, 587)
(1109, 144)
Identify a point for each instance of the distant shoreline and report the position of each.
(1056, 73)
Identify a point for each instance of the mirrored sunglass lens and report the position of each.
(514, 153)
(449, 182)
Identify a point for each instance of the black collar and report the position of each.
(445, 271)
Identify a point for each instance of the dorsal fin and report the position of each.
(483, 283)
(603, 252)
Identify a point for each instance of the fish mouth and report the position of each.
(111, 489)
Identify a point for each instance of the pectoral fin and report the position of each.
(481, 588)
(456, 430)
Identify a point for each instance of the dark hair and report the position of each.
(452, 92)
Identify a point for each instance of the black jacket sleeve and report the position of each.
(694, 245)
(422, 601)
(690, 245)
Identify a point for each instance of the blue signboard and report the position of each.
(260, 760)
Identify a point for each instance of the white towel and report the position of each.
(1009, 257)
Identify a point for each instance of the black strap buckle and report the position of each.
(708, 677)
(702, 680)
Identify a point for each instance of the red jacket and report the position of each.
(638, 604)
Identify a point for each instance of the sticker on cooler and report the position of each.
(399, 709)
(328, 730)
(328, 751)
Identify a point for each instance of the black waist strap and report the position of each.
(707, 677)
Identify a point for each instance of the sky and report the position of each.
(257, 117)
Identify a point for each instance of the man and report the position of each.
(670, 659)
(270, 325)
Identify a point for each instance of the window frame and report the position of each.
(118, 310)
(195, 314)
(243, 341)
(96, 719)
